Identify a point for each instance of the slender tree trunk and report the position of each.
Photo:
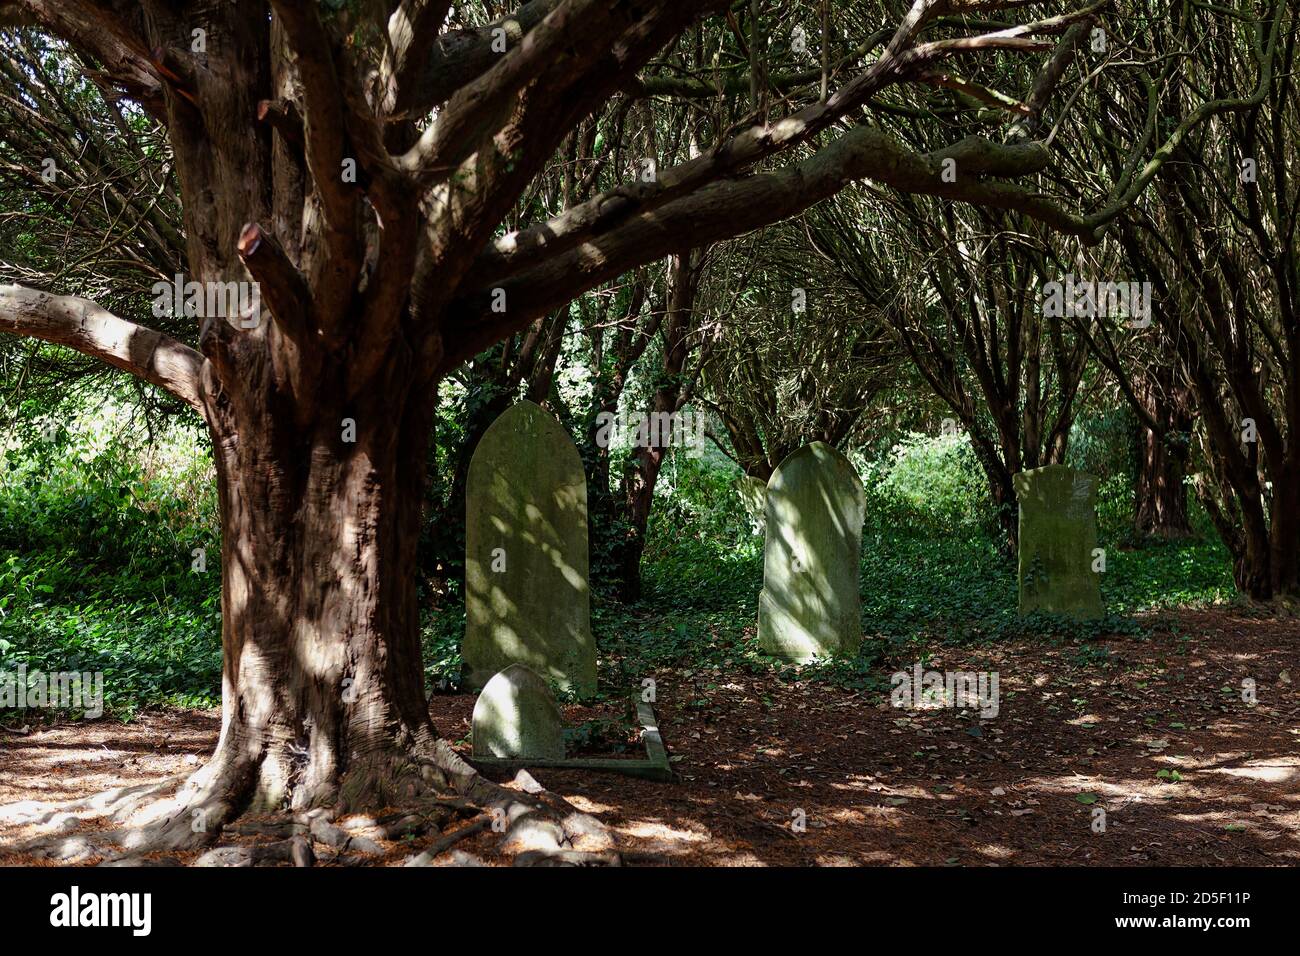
(1160, 498)
(642, 472)
(1160, 493)
(1003, 493)
(602, 505)
(1002, 490)
(639, 491)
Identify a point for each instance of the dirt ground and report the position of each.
(1158, 736)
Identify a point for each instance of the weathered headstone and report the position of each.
(753, 498)
(526, 594)
(1058, 532)
(516, 716)
(811, 605)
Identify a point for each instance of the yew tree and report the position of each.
(1218, 241)
(362, 161)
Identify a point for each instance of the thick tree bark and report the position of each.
(323, 699)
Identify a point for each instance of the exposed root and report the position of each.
(191, 818)
(567, 858)
(58, 825)
(445, 843)
(431, 789)
(281, 852)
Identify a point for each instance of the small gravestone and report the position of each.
(516, 716)
(1058, 532)
(526, 594)
(753, 499)
(810, 605)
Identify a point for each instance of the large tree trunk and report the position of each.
(323, 705)
(1284, 560)
(322, 685)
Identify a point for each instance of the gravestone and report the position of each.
(810, 605)
(516, 716)
(526, 594)
(753, 498)
(1058, 532)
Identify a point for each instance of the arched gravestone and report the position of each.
(526, 594)
(811, 605)
(1058, 532)
(516, 716)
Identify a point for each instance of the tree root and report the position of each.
(567, 858)
(436, 785)
(445, 843)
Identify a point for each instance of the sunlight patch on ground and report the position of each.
(1275, 770)
(847, 815)
(1105, 790)
(657, 830)
(910, 792)
(587, 805)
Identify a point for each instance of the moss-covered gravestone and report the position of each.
(1058, 532)
(810, 605)
(516, 716)
(526, 595)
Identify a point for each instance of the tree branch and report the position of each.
(108, 32)
(479, 108)
(279, 283)
(324, 116)
(456, 58)
(82, 325)
(470, 205)
(412, 28)
(899, 61)
(723, 210)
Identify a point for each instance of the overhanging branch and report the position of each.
(82, 325)
(727, 209)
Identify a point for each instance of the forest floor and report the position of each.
(1152, 729)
